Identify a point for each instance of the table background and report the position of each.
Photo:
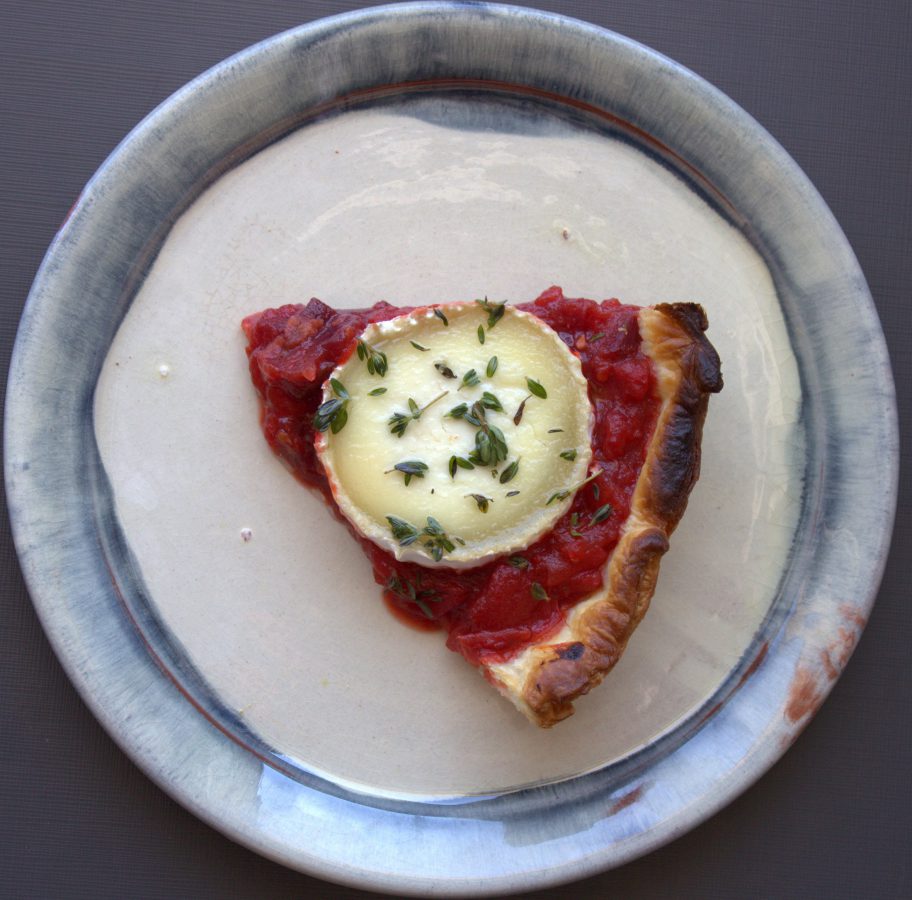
(832, 81)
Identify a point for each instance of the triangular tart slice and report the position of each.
(512, 472)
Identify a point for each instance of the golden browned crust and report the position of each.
(544, 680)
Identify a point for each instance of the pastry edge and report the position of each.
(545, 678)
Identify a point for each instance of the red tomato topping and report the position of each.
(493, 611)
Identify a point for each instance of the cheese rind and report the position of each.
(482, 515)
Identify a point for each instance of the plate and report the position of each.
(225, 629)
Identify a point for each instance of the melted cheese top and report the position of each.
(487, 502)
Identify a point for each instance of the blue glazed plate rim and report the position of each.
(579, 826)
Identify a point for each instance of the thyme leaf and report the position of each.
(536, 388)
(492, 367)
(376, 392)
(538, 592)
(482, 501)
(509, 473)
(602, 513)
(444, 370)
(418, 346)
(481, 334)
(568, 455)
(470, 379)
(442, 316)
(518, 562)
(339, 388)
(519, 412)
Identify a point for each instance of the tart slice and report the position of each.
(512, 472)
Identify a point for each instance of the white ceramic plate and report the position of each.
(421, 153)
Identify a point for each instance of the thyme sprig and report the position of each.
(333, 414)
(398, 422)
(377, 363)
(495, 311)
(432, 537)
(415, 593)
(470, 379)
(410, 468)
(563, 495)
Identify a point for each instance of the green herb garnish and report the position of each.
(568, 455)
(436, 541)
(490, 446)
(470, 379)
(536, 388)
(411, 468)
(602, 513)
(482, 501)
(492, 367)
(418, 346)
(489, 401)
(333, 414)
(444, 370)
(433, 538)
(376, 360)
(399, 422)
(376, 392)
(459, 462)
(403, 531)
(440, 315)
(414, 592)
(481, 334)
(518, 562)
(519, 412)
(509, 473)
(495, 311)
(538, 592)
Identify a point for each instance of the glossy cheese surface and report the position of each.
(434, 362)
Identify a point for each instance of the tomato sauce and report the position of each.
(491, 612)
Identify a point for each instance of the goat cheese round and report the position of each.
(455, 434)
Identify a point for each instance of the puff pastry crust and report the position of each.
(544, 679)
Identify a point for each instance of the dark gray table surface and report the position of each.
(832, 81)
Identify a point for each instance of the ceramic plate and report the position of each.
(226, 629)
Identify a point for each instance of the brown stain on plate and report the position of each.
(626, 800)
(807, 691)
(804, 695)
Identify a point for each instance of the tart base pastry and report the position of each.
(545, 678)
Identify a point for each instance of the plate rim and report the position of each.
(65, 628)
